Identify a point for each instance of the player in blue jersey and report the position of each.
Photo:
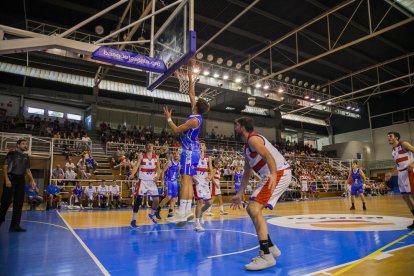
(77, 195)
(170, 175)
(190, 154)
(237, 177)
(357, 177)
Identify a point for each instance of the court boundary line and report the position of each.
(94, 258)
(372, 255)
(323, 271)
(47, 223)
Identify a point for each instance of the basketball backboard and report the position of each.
(174, 43)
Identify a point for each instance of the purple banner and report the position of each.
(129, 59)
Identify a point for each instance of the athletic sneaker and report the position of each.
(275, 251)
(224, 213)
(134, 224)
(260, 262)
(209, 214)
(198, 227)
(364, 208)
(190, 216)
(352, 208)
(152, 218)
(170, 215)
(157, 214)
(411, 227)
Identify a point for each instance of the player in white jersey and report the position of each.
(148, 168)
(114, 196)
(103, 195)
(304, 186)
(275, 176)
(201, 186)
(402, 152)
(90, 193)
(216, 189)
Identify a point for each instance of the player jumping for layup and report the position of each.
(191, 151)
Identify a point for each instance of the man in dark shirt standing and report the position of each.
(16, 166)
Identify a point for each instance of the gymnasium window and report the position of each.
(74, 117)
(57, 114)
(33, 110)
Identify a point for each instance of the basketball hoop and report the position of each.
(183, 76)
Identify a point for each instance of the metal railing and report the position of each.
(40, 146)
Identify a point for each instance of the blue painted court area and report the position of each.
(49, 248)
(181, 251)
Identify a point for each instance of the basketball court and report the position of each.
(316, 237)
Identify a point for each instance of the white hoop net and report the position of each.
(183, 76)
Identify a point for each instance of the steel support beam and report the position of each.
(42, 43)
(356, 92)
(90, 19)
(327, 53)
(228, 24)
(310, 22)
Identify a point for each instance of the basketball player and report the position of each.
(237, 177)
(191, 150)
(103, 195)
(402, 152)
(216, 190)
(357, 177)
(90, 193)
(304, 186)
(77, 195)
(114, 196)
(149, 169)
(275, 176)
(170, 173)
(201, 186)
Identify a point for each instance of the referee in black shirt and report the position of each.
(16, 166)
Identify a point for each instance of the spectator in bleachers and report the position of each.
(70, 164)
(70, 176)
(53, 192)
(59, 174)
(33, 196)
(83, 174)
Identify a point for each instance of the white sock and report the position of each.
(152, 212)
(134, 216)
(221, 208)
(188, 207)
(197, 220)
(182, 207)
(209, 209)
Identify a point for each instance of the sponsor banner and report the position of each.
(129, 59)
(342, 222)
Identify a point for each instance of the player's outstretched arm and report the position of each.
(193, 123)
(191, 89)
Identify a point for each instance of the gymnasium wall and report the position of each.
(350, 143)
(10, 104)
